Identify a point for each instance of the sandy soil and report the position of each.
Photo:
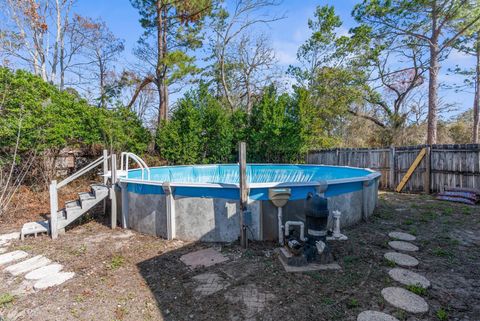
(123, 275)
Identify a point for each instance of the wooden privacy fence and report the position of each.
(443, 165)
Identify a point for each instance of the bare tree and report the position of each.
(36, 35)
(99, 48)
(232, 33)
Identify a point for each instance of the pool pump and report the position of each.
(309, 242)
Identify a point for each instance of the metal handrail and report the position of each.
(140, 162)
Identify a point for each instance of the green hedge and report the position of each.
(50, 119)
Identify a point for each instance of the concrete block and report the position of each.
(28, 265)
(53, 280)
(12, 256)
(45, 271)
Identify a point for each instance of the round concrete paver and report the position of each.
(405, 300)
(44, 272)
(375, 316)
(408, 277)
(403, 246)
(401, 259)
(402, 236)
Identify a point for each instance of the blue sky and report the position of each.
(286, 35)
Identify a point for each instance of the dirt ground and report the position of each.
(123, 275)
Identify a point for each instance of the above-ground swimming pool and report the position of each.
(201, 202)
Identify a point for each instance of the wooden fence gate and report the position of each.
(443, 165)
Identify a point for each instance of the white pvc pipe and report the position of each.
(280, 226)
(299, 223)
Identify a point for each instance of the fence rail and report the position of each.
(444, 165)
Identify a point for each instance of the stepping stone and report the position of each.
(207, 257)
(10, 236)
(45, 271)
(401, 259)
(210, 283)
(3, 250)
(402, 236)
(405, 300)
(12, 256)
(375, 316)
(53, 280)
(403, 246)
(28, 265)
(408, 277)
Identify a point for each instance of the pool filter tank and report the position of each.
(303, 249)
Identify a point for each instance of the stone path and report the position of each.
(210, 283)
(253, 299)
(39, 273)
(396, 296)
(375, 316)
(401, 259)
(405, 300)
(205, 258)
(402, 236)
(408, 277)
(403, 246)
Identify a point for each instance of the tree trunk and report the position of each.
(476, 107)
(102, 83)
(433, 94)
(161, 74)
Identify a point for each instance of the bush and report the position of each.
(50, 119)
(200, 131)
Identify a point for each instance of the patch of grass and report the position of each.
(467, 210)
(408, 222)
(328, 301)
(353, 303)
(317, 276)
(80, 251)
(442, 314)
(442, 252)
(413, 231)
(417, 289)
(116, 262)
(24, 248)
(79, 298)
(448, 211)
(6, 298)
(350, 259)
(390, 263)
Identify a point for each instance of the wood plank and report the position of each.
(412, 168)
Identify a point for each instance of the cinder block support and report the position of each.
(170, 209)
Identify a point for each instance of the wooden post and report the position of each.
(53, 210)
(428, 172)
(113, 195)
(391, 179)
(242, 160)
